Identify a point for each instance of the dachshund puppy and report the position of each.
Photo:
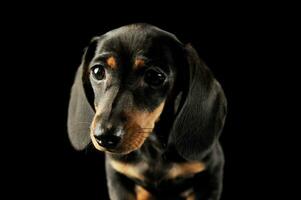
(155, 109)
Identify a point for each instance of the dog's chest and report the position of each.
(162, 172)
(143, 170)
(152, 166)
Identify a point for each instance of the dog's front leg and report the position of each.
(119, 186)
(208, 184)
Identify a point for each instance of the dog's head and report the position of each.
(128, 77)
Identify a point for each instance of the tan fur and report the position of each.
(142, 194)
(96, 145)
(112, 62)
(188, 194)
(129, 170)
(185, 169)
(191, 197)
(140, 124)
(139, 63)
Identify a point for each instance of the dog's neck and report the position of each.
(155, 148)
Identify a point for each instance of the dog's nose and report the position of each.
(108, 140)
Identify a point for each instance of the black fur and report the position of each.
(190, 123)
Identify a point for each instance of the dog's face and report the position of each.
(132, 75)
(131, 72)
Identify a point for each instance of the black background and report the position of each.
(45, 45)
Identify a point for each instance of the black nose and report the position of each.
(108, 140)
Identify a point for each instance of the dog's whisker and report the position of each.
(143, 130)
(87, 147)
(84, 122)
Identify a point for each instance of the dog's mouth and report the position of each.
(131, 141)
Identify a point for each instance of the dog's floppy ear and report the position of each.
(202, 112)
(80, 112)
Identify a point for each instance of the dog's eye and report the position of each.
(154, 78)
(98, 72)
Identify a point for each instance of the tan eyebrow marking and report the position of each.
(112, 62)
(139, 63)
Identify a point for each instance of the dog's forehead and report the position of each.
(136, 39)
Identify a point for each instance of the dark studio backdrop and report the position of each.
(50, 44)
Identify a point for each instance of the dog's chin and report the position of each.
(120, 152)
(115, 151)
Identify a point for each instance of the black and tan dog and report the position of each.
(150, 103)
